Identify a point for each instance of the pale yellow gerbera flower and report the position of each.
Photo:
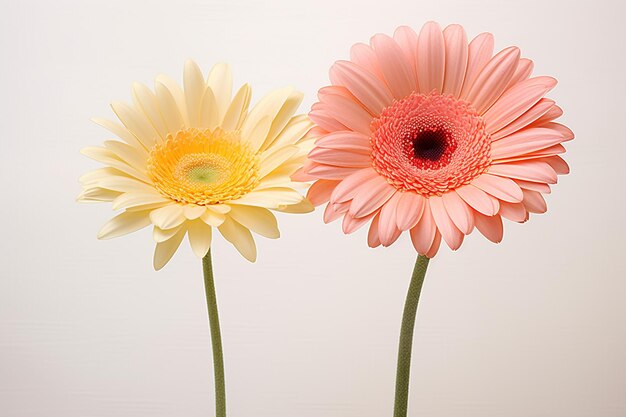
(194, 158)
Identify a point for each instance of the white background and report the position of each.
(532, 327)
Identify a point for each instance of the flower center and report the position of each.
(429, 144)
(203, 167)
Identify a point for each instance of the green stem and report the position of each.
(406, 337)
(216, 337)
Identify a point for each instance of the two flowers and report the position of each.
(427, 133)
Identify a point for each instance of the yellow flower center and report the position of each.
(203, 167)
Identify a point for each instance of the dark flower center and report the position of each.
(430, 144)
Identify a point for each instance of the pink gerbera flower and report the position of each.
(434, 135)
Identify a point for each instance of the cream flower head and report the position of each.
(194, 158)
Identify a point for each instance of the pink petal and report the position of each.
(371, 198)
(517, 100)
(406, 38)
(430, 57)
(557, 163)
(364, 56)
(459, 212)
(535, 112)
(554, 113)
(434, 248)
(534, 202)
(372, 236)
(301, 175)
(479, 53)
(522, 72)
(387, 228)
(346, 140)
(334, 211)
(324, 120)
(351, 223)
(319, 193)
(493, 79)
(423, 234)
(410, 209)
(503, 188)
(347, 189)
(347, 112)
(531, 170)
(456, 59)
(490, 226)
(565, 131)
(451, 234)
(329, 172)
(396, 68)
(549, 151)
(340, 158)
(513, 211)
(478, 199)
(524, 142)
(368, 89)
(541, 187)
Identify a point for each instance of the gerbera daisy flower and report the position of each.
(434, 135)
(193, 158)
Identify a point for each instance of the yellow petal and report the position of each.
(135, 199)
(212, 218)
(136, 158)
(209, 111)
(177, 95)
(200, 235)
(194, 90)
(120, 131)
(283, 116)
(221, 82)
(161, 235)
(268, 107)
(240, 237)
(269, 198)
(168, 216)
(257, 219)
(165, 250)
(272, 159)
(237, 109)
(124, 223)
(96, 194)
(172, 114)
(295, 129)
(256, 134)
(193, 211)
(302, 207)
(137, 123)
(146, 101)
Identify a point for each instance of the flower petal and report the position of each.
(164, 251)
(220, 80)
(493, 79)
(423, 234)
(430, 58)
(490, 226)
(259, 220)
(320, 191)
(478, 199)
(503, 188)
(459, 212)
(236, 112)
(200, 236)
(531, 170)
(410, 209)
(387, 228)
(347, 189)
(124, 223)
(368, 89)
(240, 237)
(450, 233)
(370, 198)
(168, 216)
(396, 68)
(456, 59)
(524, 142)
(479, 53)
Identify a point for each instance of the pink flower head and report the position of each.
(433, 135)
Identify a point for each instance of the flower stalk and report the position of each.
(403, 370)
(216, 336)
